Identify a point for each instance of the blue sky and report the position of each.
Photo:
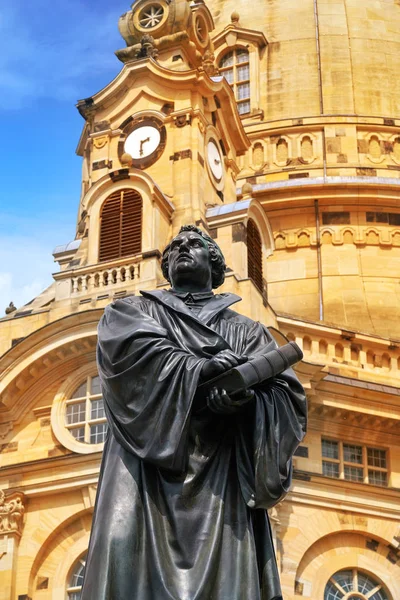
(51, 55)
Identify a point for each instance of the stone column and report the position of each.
(11, 518)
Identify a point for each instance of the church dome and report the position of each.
(323, 116)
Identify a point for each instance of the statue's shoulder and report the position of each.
(132, 301)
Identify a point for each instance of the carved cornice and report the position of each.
(11, 513)
(338, 235)
(358, 418)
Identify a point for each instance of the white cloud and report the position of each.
(26, 260)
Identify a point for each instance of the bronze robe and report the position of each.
(181, 506)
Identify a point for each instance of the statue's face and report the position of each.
(189, 260)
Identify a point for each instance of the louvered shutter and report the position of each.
(121, 225)
(254, 255)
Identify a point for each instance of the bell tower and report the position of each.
(160, 146)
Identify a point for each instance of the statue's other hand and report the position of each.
(221, 362)
(220, 402)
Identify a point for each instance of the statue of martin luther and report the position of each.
(186, 479)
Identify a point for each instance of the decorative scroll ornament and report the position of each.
(11, 513)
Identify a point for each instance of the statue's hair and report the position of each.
(218, 265)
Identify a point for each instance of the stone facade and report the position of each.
(309, 151)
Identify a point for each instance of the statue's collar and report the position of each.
(193, 297)
(213, 306)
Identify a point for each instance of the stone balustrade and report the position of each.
(105, 278)
(102, 280)
(351, 351)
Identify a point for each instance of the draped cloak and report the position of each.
(181, 506)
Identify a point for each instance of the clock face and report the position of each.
(142, 142)
(214, 160)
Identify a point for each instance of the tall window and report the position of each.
(75, 582)
(354, 463)
(85, 418)
(121, 225)
(235, 67)
(254, 255)
(352, 584)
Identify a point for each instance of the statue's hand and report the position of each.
(220, 402)
(221, 362)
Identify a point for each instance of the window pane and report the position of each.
(353, 473)
(242, 56)
(379, 596)
(80, 392)
(332, 593)
(345, 580)
(244, 107)
(78, 433)
(352, 454)
(98, 433)
(97, 409)
(227, 60)
(377, 478)
(330, 449)
(228, 75)
(243, 91)
(77, 577)
(76, 580)
(376, 458)
(330, 469)
(75, 413)
(96, 388)
(243, 73)
(365, 584)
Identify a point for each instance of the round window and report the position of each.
(151, 16)
(85, 418)
(201, 30)
(78, 417)
(352, 584)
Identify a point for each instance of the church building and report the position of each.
(274, 126)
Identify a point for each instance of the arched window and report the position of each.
(74, 585)
(85, 418)
(235, 67)
(254, 255)
(121, 225)
(352, 584)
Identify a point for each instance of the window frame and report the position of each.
(236, 83)
(58, 411)
(70, 589)
(256, 44)
(88, 421)
(355, 573)
(120, 222)
(364, 465)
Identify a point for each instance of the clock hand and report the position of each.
(217, 161)
(141, 145)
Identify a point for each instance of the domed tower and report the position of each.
(322, 112)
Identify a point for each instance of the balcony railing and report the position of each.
(107, 279)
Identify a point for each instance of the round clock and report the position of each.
(142, 142)
(215, 160)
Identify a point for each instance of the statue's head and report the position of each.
(203, 256)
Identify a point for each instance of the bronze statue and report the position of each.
(187, 477)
